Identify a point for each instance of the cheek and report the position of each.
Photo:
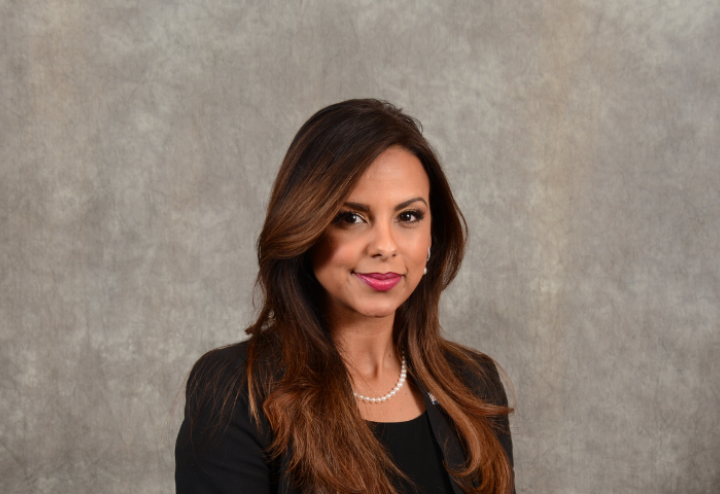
(417, 258)
(331, 258)
(420, 252)
(418, 265)
(417, 249)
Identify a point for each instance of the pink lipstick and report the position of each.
(381, 282)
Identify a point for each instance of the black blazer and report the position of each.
(234, 459)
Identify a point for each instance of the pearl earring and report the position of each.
(428, 258)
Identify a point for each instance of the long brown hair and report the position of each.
(295, 373)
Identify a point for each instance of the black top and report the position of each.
(233, 458)
(416, 453)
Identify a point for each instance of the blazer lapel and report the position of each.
(444, 435)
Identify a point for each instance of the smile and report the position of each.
(381, 282)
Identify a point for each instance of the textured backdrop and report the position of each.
(139, 141)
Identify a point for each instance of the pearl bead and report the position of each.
(393, 392)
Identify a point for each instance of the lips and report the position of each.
(381, 282)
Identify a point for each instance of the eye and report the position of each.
(348, 218)
(411, 216)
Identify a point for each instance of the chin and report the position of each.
(378, 311)
(380, 315)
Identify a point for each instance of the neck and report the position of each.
(366, 344)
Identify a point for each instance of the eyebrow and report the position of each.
(365, 207)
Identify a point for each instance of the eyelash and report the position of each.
(419, 215)
(343, 215)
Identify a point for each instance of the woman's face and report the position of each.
(373, 255)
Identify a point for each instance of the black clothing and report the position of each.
(234, 459)
(416, 453)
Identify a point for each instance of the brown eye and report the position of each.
(413, 216)
(348, 218)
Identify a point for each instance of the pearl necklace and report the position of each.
(393, 392)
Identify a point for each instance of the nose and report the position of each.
(382, 243)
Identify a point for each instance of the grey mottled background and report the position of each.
(139, 141)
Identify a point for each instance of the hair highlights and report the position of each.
(294, 371)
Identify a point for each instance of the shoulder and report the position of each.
(482, 376)
(218, 377)
(479, 371)
(219, 371)
(221, 363)
(221, 445)
(217, 397)
(222, 376)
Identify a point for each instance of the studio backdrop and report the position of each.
(139, 141)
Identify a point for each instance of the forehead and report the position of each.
(396, 172)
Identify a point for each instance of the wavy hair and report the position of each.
(295, 373)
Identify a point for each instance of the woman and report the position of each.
(346, 384)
